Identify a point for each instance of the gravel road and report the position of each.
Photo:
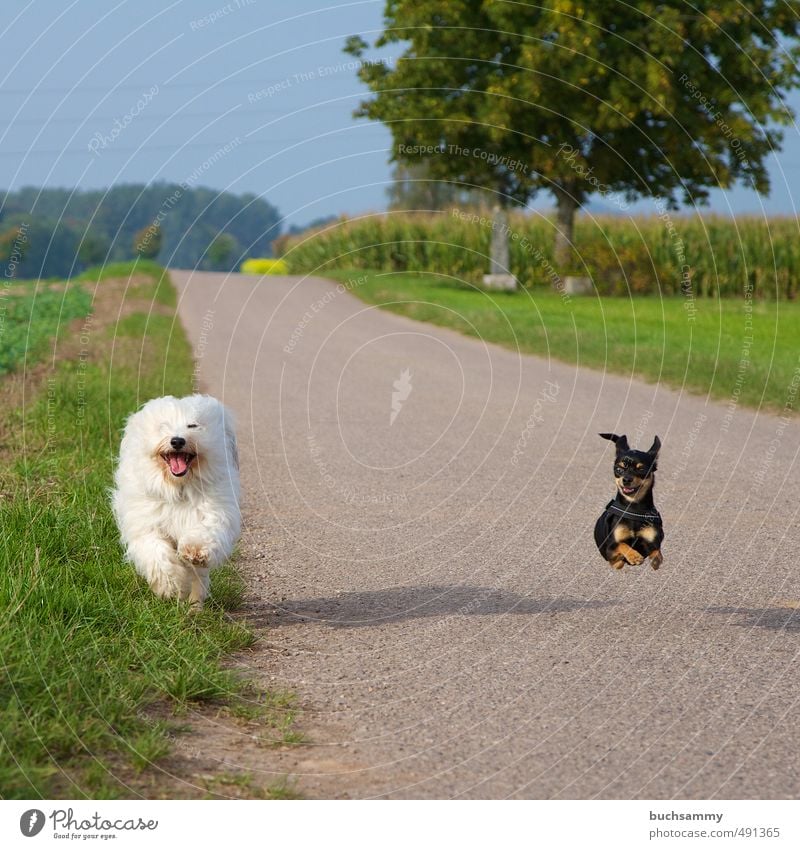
(424, 571)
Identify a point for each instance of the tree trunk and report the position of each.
(566, 206)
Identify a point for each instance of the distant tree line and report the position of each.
(59, 232)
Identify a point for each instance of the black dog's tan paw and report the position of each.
(656, 559)
(628, 554)
(194, 553)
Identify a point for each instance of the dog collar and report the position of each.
(630, 513)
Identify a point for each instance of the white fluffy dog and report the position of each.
(176, 499)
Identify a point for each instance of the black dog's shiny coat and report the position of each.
(630, 529)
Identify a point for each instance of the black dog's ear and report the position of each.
(620, 441)
(655, 447)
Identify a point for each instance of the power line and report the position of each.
(142, 87)
(148, 117)
(147, 148)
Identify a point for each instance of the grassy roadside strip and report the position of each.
(29, 321)
(96, 671)
(32, 312)
(724, 348)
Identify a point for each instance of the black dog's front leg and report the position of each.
(616, 541)
(649, 541)
(624, 553)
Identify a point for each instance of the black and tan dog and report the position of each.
(630, 529)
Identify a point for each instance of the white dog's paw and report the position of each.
(194, 552)
(199, 589)
(197, 597)
(170, 583)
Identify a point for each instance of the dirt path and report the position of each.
(427, 579)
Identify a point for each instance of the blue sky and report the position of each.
(257, 95)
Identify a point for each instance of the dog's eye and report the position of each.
(191, 425)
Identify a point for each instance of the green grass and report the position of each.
(89, 654)
(118, 270)
(142, 325)
(33, 313)
(98, 273)
(720, 347)
(158, 289)
(29, 321)
(237, 784)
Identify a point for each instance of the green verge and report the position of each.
(117, 270)
(29, 321)
(721, 347)
(89, 656)
(32, 313)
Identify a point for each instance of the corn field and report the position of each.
(664, 254)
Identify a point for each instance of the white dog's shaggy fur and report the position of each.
(176, 499)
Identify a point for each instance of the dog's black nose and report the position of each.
(625, 481)
(177, 442)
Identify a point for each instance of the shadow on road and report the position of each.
(774, 618)
(399, 604)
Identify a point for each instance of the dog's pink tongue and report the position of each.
(177, 464)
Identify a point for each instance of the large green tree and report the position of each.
(667, 99)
